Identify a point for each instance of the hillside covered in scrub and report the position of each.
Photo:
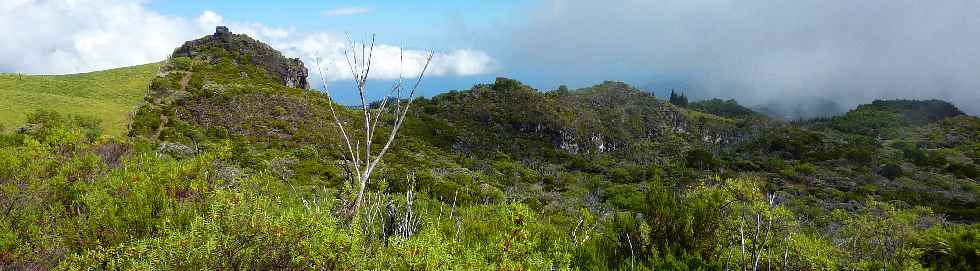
(230, 161)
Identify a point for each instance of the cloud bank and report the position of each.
(761, 52)
(388, 62)
(67, 36)
(78, 36)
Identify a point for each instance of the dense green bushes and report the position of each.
(950, 248)
(71, 206)
(181, 214)
(74, 199)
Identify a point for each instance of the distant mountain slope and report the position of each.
(725, 108)
(915, 112)
(109, 95)
(883, 117)
(614, 117)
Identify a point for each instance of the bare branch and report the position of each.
(396, 87)
(401, 118)
(333, 113)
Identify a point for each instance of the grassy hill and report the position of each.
(109, 95)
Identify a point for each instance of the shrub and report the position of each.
(701, 159)
(950, 247)
(805, 168)
(182, 63)
(47, 118)
(964, 170)
(63, 138)
(891, 171)
(620, 175)
(91, 126)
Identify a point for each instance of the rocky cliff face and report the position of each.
(289, 71)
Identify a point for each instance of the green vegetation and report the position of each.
(678, 99)
(725, 108)
(226, 167)
(108, 95)
(882, 118)
(75, 203)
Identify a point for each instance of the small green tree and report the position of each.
(701, 159)
(678, 100)
(891, 171)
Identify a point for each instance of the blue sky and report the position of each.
(437, 25)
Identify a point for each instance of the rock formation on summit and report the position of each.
(289, 71)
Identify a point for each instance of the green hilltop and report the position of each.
(109, 95)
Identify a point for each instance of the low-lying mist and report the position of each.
(794, 58)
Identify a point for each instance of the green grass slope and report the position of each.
(109, 95)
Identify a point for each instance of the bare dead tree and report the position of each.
(395, 103)
(741, 255)
(758, 248)
(410, 223)
(452, 211)
(631, 250)
(575, 231)
(763, 225)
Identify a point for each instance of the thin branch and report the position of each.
(631, 250)
(333, 113)
(397, 87)
(368, 133)
(351, 63)
(401, 118)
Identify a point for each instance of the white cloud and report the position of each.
(79, 36)
(69, 36)
(209, 19)
(387, 62)
(346, 11)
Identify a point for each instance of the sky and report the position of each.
(796, 58)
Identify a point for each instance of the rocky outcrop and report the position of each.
(229, 84)
(289, 71)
